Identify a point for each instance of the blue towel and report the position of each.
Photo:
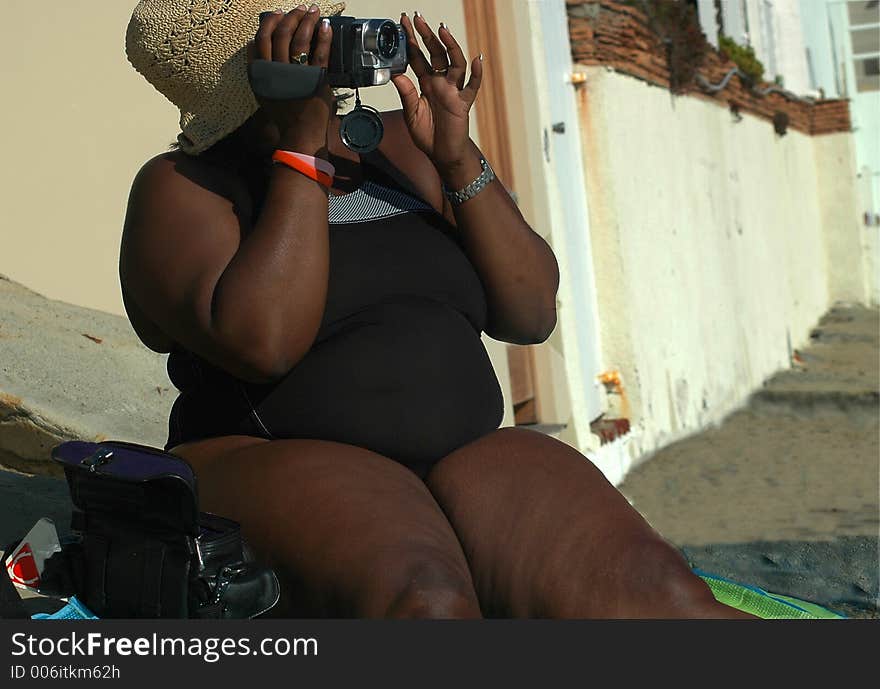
(74, 610)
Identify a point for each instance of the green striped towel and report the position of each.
(767, 606)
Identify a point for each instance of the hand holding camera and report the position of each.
(299, 37)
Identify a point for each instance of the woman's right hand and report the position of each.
(281, 37)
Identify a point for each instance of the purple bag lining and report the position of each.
(129, 462)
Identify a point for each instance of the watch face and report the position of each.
(474, 188)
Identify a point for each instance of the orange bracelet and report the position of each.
(297, 163)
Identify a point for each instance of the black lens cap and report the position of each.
(361, 130)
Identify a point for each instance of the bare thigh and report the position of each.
(546, 535)
(350, 532)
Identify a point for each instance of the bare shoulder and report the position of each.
(398, 147)
(180, 222)
(170, 171)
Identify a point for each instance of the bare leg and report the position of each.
(546, 535)
(351, 533)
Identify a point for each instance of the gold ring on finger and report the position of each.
(441, 71)
(301, 59)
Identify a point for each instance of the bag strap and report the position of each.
(380, 162)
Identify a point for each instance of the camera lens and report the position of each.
(388, 40)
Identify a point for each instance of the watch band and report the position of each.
(456, 198)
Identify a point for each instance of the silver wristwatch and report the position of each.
(456, 198)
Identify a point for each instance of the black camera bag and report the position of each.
(143, 549)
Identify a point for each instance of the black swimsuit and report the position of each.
(398, 366)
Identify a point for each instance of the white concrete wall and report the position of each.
(76, 124)
(717, 245)
(840, 203)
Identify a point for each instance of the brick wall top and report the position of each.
(604, 32)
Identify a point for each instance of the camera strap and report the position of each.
(11, 606)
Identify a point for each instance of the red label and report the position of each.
(23, 567)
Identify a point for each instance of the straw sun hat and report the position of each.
(194, 53)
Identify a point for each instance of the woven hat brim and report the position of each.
(195, 54)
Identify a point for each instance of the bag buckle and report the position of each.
(199, 554)
(101, 456)
(225, 577)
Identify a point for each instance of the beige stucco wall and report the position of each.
(717, 245)
(78, 123)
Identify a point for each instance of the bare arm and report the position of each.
(252, 306)
(248, 299)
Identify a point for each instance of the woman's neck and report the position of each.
(250, 157)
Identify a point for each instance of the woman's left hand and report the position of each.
(438, 118)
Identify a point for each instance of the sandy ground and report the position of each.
(785, 493)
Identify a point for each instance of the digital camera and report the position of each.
(364, 52)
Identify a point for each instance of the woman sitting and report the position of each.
(324, 332)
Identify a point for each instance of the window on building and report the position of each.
(864, 34)
(811, 70)
(865, 40)
(868, 74)
(864, 12)
(734, 21)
